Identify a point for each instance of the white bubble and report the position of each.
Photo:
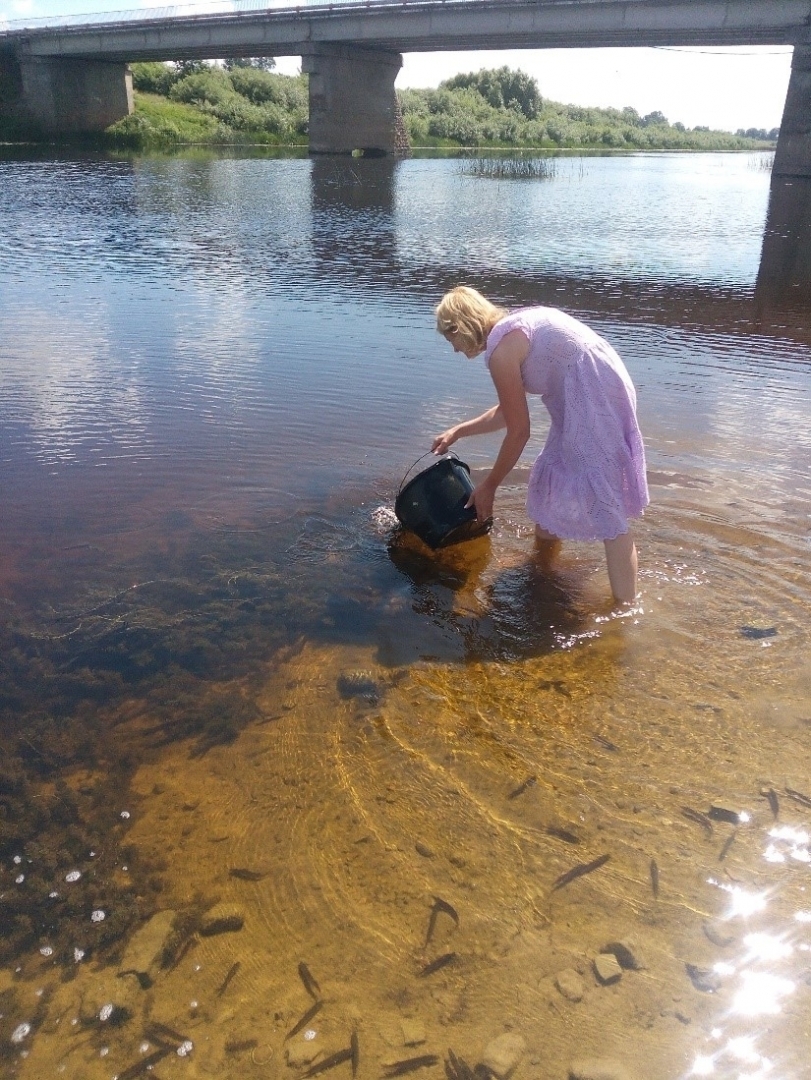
(74, 875)
(18, 859)
(98, 916)
(309, 1034)
(53, 895)
(185, 1048)
(106, 1011)
(125, 813)
(20, 1032)
(19, 879)
(105, 1050)
(142, 1049)
(46, 950)
(78, 954)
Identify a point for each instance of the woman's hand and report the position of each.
(482, 498)
(447, 438)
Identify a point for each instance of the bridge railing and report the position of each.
(206, 8)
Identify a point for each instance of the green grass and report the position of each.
(160, 122)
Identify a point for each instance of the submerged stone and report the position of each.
(359, 684)
(503, 1053)
(143, 953)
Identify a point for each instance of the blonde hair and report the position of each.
(465, 312)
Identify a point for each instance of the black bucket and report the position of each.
(432, 505)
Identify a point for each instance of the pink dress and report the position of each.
(590, 476)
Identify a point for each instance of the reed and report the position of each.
(511, 168)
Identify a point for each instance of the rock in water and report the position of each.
(359, 684)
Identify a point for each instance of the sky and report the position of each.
(723, 89)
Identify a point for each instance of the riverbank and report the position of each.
(182, 105)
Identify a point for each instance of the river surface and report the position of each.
(278, 782)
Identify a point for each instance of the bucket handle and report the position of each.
(448, 453)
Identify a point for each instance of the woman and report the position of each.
(590, 476)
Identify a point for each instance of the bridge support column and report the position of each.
(74, 96)
(352, 103)
(785, 262)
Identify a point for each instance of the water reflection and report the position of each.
(784, 274)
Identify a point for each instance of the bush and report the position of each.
(261, 86)
(212, 87)
(154, 78)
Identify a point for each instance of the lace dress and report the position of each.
(590, 476)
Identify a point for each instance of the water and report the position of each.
(265, 728)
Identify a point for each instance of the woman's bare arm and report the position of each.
(492, 420)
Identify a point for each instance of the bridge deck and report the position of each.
(420, 26)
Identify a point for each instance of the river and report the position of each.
(277, 781)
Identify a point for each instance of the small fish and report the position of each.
(436, 965)
(457, 1068)
(558, 685)
(243, 874)
(237, 1046)
(719, 813)
(798, 796)
(562, 834)
(159, 1033)
(329, 1063)
(528, 783)
(730, 840)
(703, 979)
(187, 945)
(145, 1064)
(354, 1050)
(755, 633)
(774, 804)
(234, 968)
(399, 1068)
(304, 1021)
(144, 980)
(579, 871)
(654, 877)
(310, 985)
(698, 818)
(603, 741)
(438, 905)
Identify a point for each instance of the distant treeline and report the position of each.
(246, 101)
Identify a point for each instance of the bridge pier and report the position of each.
(785, 261)
(352, 102)
(66, 96)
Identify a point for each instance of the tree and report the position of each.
(190, 67)
(654, 118)
(260, 63)
(501, 87)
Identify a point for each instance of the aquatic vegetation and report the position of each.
(511, 168)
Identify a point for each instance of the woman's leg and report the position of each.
(547, 546)
(620, 555)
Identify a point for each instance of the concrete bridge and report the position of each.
(74, 77)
